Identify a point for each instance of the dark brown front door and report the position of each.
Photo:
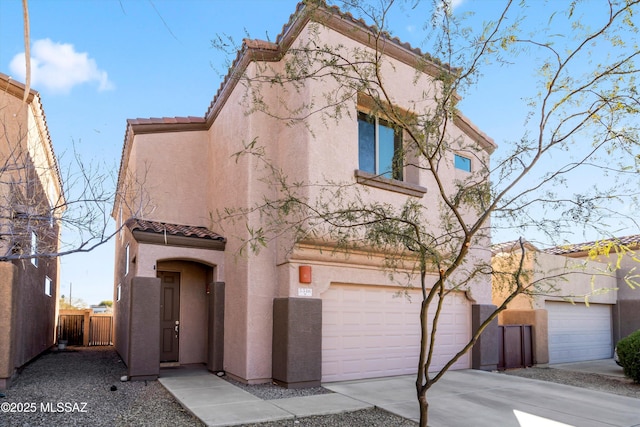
(169, 316)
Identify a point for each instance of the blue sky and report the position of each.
(97, 63)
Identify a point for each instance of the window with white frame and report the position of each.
(120, 222)
(126, 260)
(34, 248)
(47, 286)
(379, 147)
(462, 163)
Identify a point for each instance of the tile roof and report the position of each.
(172, 229)
(305, 10)
(633, 240)
(512, 246)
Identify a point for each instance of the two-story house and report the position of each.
(296, 312)
(31, 201)
(586, 298)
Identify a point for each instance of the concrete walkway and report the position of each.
(461, 398)
(218, 403)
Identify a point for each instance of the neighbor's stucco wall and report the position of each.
(555, 277)
(29, 314)
(577, 280)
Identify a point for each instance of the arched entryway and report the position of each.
(191, 321)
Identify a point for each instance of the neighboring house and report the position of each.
(101, 309)
(183, 295)
(30, 201)
(566, 329)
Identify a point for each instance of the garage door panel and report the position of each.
(578, 332)
(384, 338)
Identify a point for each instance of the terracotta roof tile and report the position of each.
(172, 229)
(511, 246)
(633, 240)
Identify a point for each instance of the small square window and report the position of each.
(47, 286)
(462, 163)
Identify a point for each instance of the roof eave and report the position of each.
(174, 240)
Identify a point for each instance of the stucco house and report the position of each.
(31, 200)
(184, 295)
(566, 329)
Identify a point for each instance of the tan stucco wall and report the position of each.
(173, 175)
(591, 279)
(557, 277)
(29, 315)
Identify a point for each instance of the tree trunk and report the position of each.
(424, 407)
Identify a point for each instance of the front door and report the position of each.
(169, 316)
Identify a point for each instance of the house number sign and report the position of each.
(305, 292)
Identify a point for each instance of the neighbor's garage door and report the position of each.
(578, 332)
(370, 331)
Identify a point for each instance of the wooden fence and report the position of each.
(71, 328)
(82, 327)
(101, 330)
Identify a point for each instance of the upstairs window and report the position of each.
(48, 284)
(379, 147)
(126, 260)
(34, 248)
(462, 163)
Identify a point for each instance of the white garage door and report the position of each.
(370, 331)
(578, 332)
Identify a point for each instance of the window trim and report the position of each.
(384, 183)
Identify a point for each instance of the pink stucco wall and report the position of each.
(191, 174)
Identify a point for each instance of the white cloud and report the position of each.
(58, 67)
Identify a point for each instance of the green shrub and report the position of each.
(629, 355)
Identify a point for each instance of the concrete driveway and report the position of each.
(477, 398)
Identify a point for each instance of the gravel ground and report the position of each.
(81, 381)
(74, 388)
(605, 383)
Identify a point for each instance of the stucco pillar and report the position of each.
(215, 352)
(485, 355)
(297, 342)
(144, 329)
(626, 316)
(540, 320)
(8, 316)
